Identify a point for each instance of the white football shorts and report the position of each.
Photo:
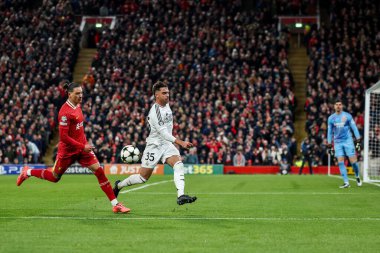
(153, 153)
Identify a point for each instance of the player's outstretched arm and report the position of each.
(184, 144)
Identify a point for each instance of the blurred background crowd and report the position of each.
(231, 88)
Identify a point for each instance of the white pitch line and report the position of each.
(351, 179)
(261, 193)
(146, 185)
(196, 218)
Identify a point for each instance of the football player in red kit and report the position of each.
(73, 146)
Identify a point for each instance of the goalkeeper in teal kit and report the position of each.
(339, 125)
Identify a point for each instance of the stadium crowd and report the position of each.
(38, 49)
(104, 7)
(293, 7)
(231, 88)
(344, 62)
(229, 79)
(121, 7)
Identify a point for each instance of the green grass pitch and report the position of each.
(233, 213)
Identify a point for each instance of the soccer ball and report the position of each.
(130, 154)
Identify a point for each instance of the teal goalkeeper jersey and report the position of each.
(339, 126)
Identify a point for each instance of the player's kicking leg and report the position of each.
(153, 154)
(141, 178)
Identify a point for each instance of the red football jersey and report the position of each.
(71, 132)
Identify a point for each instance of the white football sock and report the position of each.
(28, 172)
(179, 178)
(114, 202)
(131, 180)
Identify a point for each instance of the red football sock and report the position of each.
(104, 183)
(44, 174)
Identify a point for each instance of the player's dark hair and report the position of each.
(338, 100)
(69, 87)
(158, 85)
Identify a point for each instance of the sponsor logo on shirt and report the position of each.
(63, 121)
(339, 124)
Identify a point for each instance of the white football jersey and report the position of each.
(160, 120)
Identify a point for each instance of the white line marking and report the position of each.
(146, 185)
(261, 193)
(196, 218)
(351, 179)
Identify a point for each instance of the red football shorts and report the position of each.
(85, 159)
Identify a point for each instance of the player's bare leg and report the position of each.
(142, 177)
(179, 180)
(355, 166)
(107, 188)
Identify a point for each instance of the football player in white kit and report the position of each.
(159, 146)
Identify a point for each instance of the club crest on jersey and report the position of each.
(344, 118)
(161, 123)
(79, 125)
(168, 117)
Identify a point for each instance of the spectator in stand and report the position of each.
(211, 157)
(10, 153)
(22, 152)
(192, 157)
(2, 157)
(239, 159)
(256, 157)
(33, 150)
(214, 145)
(285, 154)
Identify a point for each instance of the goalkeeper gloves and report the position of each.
(358, 144)
(330, 149)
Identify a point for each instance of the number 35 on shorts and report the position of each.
(149, 157)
